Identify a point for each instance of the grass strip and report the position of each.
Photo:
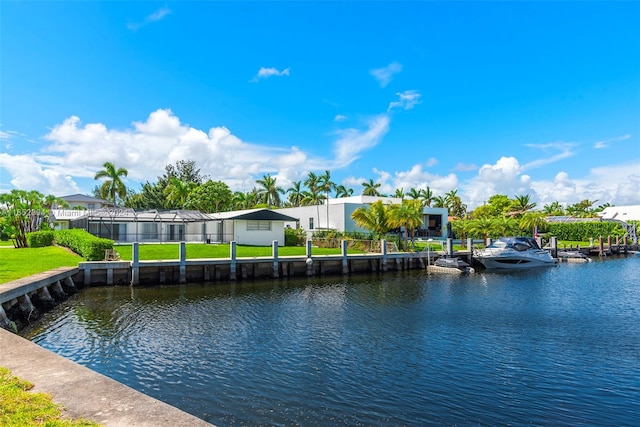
(18, 263)
(21, 408)
(167, 251)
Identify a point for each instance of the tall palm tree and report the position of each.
(439, 202)
(313, 198)
(342, 191)
(407, 215)
(270, 192)
(371, 188)
(325, 184)
(399, 193)
(373, 218)
(178, 191)
(295, 193)
(113, 186)
(554, 208)
(426, 195)
(414, 193)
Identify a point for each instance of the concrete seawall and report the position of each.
(85, 393)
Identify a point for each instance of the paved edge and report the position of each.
(85, 393)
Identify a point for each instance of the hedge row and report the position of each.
(83, 243)
(583, 231)
(40, 239)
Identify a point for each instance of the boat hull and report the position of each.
(515, 262)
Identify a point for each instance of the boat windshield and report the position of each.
(517, 243)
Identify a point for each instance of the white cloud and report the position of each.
(465, 167)
(264, 73)
(158, 15)
(406, 100)
(605, 143)
(384, 75)
(432, 162)
(564, 148)
(353, 141)
(340, 118)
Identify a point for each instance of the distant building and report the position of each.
(622, 213)
(336, 215)
(85, 202)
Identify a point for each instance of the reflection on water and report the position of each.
(559, 346)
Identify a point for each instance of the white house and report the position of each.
(81, 201)
(251, 227)
(258, 227)
(622, 213)
(335, 214)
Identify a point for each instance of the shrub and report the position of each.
(40, 239)
(83, 243)
(294, 237)
(583, 231)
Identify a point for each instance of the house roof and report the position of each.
(254, 215)
(83, 198)
(622, 213)
(128, 214)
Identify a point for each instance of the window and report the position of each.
(258, 225)
(149, 230)
(310, 223)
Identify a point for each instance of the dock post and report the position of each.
(383, 247)
(449, 246)
(87, 276)
(274, 252)
(309, 260)
(135, 264)
(232, 264)
(554, 246)
(600, 246)
(345, 260)
(470, 248)
(183, 263)
(45, 297)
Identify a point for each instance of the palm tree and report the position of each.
(113, 186)
(553, 209)
(533, 221)
(374, 218)
(371, 188)
(414, 193)
(313, 198)
(454, 204)
(483, 226)
(178, 191)
(399, 193)
(426, 195)
(342, 191)
(439, 202)
(506, 225)
(522, 204)
(270, 192)
(325, 184)
(407, 215)
(295, 193)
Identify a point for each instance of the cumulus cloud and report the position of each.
(264, 73)
(158, 15)
(607, 142)
(406, 100)
(384, 75)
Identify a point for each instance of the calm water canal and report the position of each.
(558, 346)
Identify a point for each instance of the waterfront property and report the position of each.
(335, 214)
(126, 225)
(555, 346)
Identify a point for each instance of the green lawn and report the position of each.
(194, 251)
(18, 263)
(6, 242)
(21, 408)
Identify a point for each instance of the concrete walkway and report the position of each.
(85, 393)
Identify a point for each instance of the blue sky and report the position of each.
(539, 98)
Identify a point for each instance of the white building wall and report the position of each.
(258, 237)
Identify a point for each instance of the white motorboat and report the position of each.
(514, 253)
